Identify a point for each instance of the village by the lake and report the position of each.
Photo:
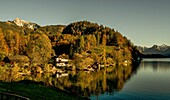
(84, 50)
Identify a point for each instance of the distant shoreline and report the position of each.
(155, 56)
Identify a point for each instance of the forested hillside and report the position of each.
(81, 42)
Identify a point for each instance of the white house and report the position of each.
(61, 62)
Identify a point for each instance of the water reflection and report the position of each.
(84, 83)
(151, 82)
(157, 64)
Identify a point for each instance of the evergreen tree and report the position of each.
(82, 42)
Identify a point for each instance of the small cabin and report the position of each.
(16, 58)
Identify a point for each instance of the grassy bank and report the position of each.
(36, 91)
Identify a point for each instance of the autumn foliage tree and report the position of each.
(39, 48)
(3, 46)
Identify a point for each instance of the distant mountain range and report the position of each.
(156, 49)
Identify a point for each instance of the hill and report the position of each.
(81, 42)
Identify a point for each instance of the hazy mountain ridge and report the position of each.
(156, 49)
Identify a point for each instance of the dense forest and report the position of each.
(83, 42)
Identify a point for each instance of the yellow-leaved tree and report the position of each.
(39, 48)
(3, 46)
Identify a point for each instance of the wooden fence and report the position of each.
(9, 96)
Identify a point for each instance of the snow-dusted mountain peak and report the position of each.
(20, 22)
(156, 49)
(23, 23)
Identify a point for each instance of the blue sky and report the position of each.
(144, 22)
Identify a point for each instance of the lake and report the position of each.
(151, 81)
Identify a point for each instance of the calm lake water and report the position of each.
(151, 81)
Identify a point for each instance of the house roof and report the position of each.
(16, 58)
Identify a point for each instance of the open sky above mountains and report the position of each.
(144, 22)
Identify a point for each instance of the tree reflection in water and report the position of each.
(82, 83)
